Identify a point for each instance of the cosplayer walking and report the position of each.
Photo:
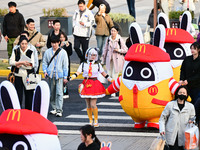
(92, 89)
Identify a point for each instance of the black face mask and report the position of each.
(182, 97)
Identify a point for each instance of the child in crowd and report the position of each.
(55, 67)
(92, 89)
(87, 136)
(67, 46)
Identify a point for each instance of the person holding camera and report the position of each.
(104, 24)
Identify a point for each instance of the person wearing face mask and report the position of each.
(174, 118)
(190, 72)
(93, 88)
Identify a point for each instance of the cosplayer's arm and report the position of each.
(79, 70)
(107, 77)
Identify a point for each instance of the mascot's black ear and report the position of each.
(163, 19)
(159, 36)
(8, 96)
(186, 21)
(136, 35)
(41, 99)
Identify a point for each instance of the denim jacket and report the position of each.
(59, 63)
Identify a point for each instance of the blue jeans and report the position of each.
(131, 7)
(56, 91)
(101, 40)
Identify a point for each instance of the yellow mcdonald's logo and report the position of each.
(14, 112)
(171, 30)
(153, 90)
(140, 47)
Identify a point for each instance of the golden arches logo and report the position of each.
(171, 31)
(14, 112)
(153, 90)
(141, 48)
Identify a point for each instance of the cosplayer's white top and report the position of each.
(95, 69)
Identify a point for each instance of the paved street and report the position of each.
(115, 125)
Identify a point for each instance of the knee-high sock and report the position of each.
(95, 112)
(89, 113)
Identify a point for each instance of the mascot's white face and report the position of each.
(177, 52)
(144, 75)
(17, 116)
(177, 47)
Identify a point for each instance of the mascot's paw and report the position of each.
(139, 125)
(153, 125)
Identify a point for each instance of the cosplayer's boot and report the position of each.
(95, 112)
(89, 112)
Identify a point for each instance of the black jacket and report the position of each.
(93, 146)
(190, 71)
(13, 24)
(49, 37)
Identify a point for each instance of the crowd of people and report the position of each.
(24, 41)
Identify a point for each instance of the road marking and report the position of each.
(109, 103)
(114, 98)
(84, 123)
(113, 133)
(107, 110)
(101, 117)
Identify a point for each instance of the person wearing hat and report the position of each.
(22, 69)
(93, 88)
(104, 24)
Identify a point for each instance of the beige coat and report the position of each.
(173, 121)
(38, 38)
(118, 58)
(102, 28)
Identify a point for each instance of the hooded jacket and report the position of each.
(13, 24)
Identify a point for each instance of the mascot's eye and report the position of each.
(145, 73)
(178, 52)
(129, 71)
(1, 145)
(20, 145)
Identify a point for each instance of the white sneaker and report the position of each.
(113, 95)
(65, 96)
(53, 112)
(59, 114)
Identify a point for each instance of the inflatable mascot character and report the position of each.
(106, 147)
(26, 129)
(146, 84)
(177, 41)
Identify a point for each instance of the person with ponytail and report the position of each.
(87, 136)
(174, 118)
